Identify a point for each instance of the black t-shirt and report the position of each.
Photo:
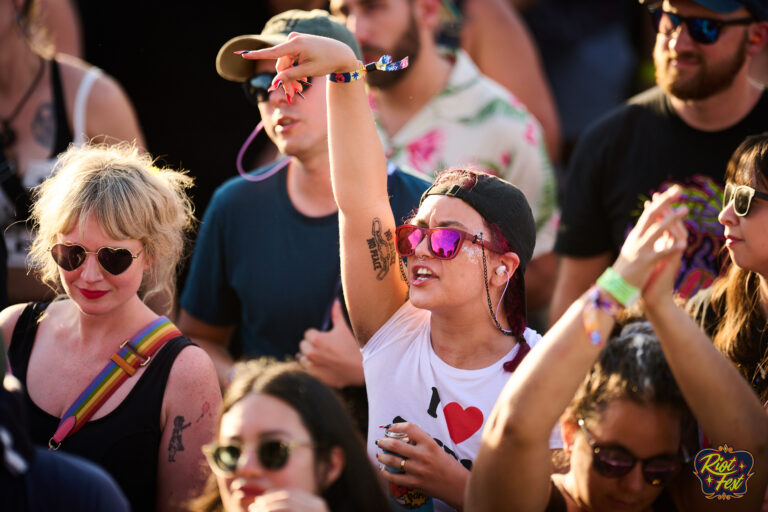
(641, 148)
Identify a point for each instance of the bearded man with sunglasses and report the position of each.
(681, 132)
(266, 262)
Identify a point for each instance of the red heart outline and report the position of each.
(462, 423)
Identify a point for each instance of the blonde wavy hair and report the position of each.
(128, 196)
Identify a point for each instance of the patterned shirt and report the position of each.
(475, 122)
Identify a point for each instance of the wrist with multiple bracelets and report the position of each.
(383, 64)
(611, 293)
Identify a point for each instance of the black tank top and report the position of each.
(63, 133)
(126, 441)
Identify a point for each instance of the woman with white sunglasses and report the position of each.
(734, 310)
(442, 333)
(107, 378)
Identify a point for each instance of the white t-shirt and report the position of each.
(407, 381)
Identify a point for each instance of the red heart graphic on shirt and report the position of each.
(462, 423)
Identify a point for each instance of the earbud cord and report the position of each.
(508, 332)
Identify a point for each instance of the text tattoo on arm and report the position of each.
(381, 248)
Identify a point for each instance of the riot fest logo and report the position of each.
(723, 472)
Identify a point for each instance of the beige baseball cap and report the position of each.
(318, 22)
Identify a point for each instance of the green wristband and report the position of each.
(612, 282)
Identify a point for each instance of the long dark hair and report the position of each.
(735, 297)
(328, 423)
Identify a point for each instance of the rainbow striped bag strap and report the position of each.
(123, 364)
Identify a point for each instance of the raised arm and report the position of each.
(373, 287)
(726, 408)
(513, 468)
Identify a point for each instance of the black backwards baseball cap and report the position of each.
(317, 22)
(500, 203)
(758, 8)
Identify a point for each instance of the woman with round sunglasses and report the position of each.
(441, 333)
(107, 378)
(285, 442)
(624, 405)
(734, 310)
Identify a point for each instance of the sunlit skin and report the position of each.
(378, 25)
(683, 65)
(646, 431)
(298, 128)
(94, 290)
(456, 285)
(745, 237)
(255, 417)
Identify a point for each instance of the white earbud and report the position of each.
(501, 269)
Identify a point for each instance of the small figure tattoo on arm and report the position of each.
(381, 248)
(176, 444)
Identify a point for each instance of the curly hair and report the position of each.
(128, 196)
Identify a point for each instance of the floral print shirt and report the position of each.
(475, 122)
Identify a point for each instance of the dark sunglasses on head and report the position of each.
(701, 30)
(616, 462)
(256, 88)
(114, 260)
(741, 196)
(443, 243)
(273, 454)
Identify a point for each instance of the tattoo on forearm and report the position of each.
(43, 125)
(176, 444)
(382, 249)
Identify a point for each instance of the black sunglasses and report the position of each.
(741, 196)
(114, 260)
(616, 462)
(701, 30)
(256, 88)
(273, 454)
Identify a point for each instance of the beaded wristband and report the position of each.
(591, 323)
(383, 64)
(612, 282)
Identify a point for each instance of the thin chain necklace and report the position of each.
(8, 134)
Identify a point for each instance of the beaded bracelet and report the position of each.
(383, 64)
(612, 282)
(591, 323)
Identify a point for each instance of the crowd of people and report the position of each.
(431, 299)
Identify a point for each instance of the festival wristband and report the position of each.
(612, 282)
(591, 322)
(383, 64)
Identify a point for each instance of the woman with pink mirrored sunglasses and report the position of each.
(441, 326)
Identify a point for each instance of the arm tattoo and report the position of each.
(175, 444)
(44, 125)
(382, 249)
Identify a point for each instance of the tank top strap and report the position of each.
(63, 133)
(151, 386)
(23, 338)
(81, 102)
